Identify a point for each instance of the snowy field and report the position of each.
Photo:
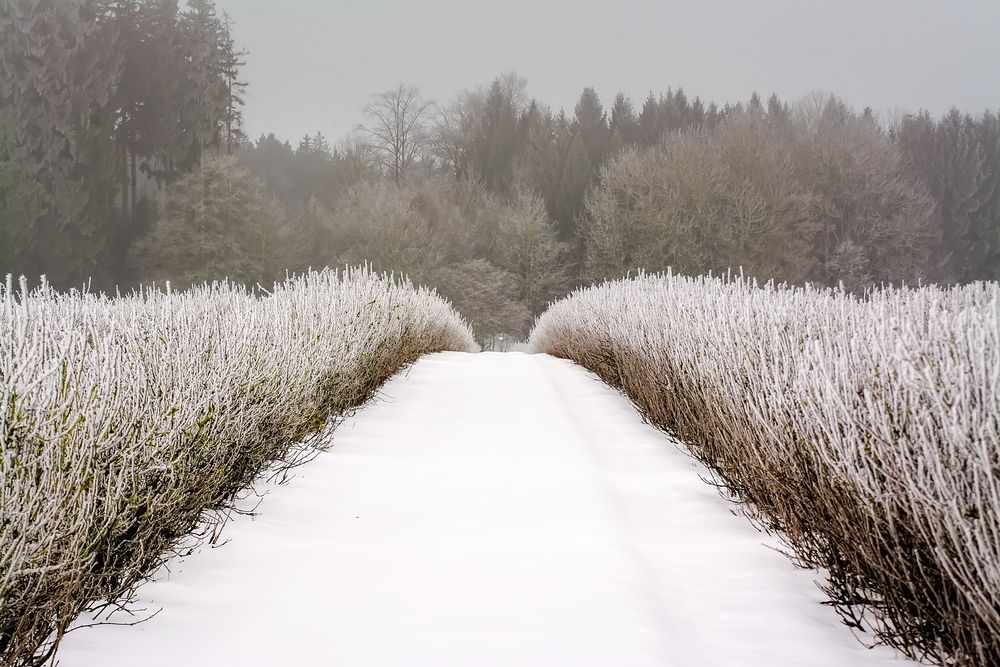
(490, 509)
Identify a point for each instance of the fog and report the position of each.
(774, 225)
(887, 54)
(505, 153)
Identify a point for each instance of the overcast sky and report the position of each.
(314, 63)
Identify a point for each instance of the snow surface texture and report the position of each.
(491, 509)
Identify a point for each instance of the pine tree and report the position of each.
(320, 145)
(162, 140)
(777, 113)
(697, 113)
(124, 17)
(989, 139)
(712, 115)
(495, 137)
(149, 94)
(231, 60)
(624, 124)
(680, 111)
(205, 110)
(58, 73)
(649, 125)
(577, 175)
(949, 158)
(219, 223)
(7, 228)
(527, 247)
(592, 126)
(540, 158)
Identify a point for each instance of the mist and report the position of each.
(892, 56)
(454, 333)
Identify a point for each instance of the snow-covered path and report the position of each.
(491, 509)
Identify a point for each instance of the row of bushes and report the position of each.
(866, 430)
(128, 422)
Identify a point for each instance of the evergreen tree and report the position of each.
(592, 126)
(7, 227)
(124, 17)
(495, 138)
(577, 175)
(219, 223)
(320, 144)
(777, 112)
(270, 161)
(540, 160)
(952, 158)
(231, 60)
(149, 96)
(58, 74)
(206, 101)
(989, 139)
(535, 128)
(697, 112)
(712, 115)
(159, 139)
(528, 248)
(624, 125)
(649, 125)
(675, 113)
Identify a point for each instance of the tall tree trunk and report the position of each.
(125, 211)
(133, 177)
(229, 116)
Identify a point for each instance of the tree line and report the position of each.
(817, 193)
(807, 192)
(122, 160)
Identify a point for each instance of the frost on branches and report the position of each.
(128, 422)
(867, 430)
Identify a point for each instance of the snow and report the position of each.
(489, 509)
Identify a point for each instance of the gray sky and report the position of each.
(314, 63)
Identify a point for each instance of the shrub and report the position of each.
(867, 430)
(126, 422)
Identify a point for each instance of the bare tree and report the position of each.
(459, 126)
(450, 137)
(396, 127)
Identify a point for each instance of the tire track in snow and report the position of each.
(489, 510)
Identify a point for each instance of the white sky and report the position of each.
(314, 63)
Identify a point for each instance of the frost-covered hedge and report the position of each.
(867, 430)
(127, 422)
